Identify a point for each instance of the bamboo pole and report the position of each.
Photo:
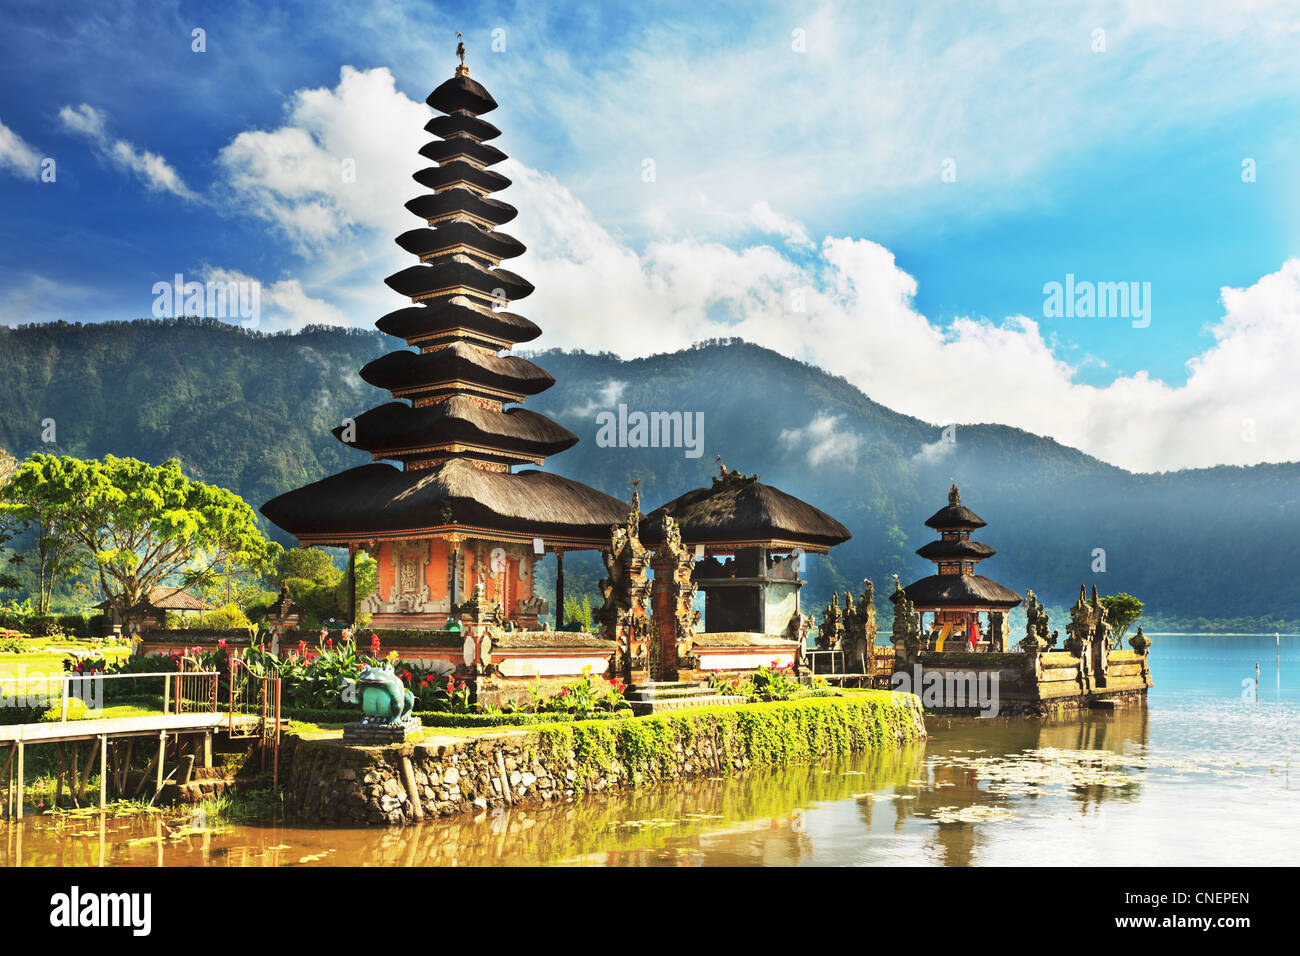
(162, 758)
(8, 771)
(124, 768)
(63, 772)
(85, 773)
(145, 776)
(103, 770)
(20, 780)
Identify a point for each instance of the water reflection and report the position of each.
(1201, 776)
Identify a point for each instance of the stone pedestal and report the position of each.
(378, 732)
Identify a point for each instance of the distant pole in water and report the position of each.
(1256, 681)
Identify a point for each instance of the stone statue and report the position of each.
(906, 634)
(384, 698)
(859, 631)
(832, 629)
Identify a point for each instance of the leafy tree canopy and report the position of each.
(141, 524)
(1122, 610)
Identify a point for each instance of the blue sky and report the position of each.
(794, 148)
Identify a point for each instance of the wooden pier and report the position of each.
(19, 736)
(191, 712)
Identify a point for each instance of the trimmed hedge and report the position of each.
(755, 734)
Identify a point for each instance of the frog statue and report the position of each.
(383, 697)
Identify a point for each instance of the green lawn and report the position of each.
(49, 663)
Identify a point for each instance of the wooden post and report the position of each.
(559, 589)
(352, 585)
(207, 748)
(103, 770)
(19, 813)
(162, 757)
(8, 770)
(63, 704)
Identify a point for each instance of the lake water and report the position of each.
(1202, 775)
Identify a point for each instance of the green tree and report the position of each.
(143, 524)
(28, 507)
(575, 613)
(1122, 610)
(8, 465)
(310, 564)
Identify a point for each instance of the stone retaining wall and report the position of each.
(331, 783)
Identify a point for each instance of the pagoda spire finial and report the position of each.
(461, 70)
(954, 496)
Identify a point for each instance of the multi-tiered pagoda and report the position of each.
(956, 595)
(456, 513)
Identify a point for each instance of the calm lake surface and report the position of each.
(1202, 775)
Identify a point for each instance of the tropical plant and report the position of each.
(140, 524)
(1121, 611)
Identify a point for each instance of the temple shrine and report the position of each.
(452, 519)
(749, 540)
(956, 596)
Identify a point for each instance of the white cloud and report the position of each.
(283, 305)
(17, 156)
(825, 441)
(150, 168)
(844, 305)
(605, 397)
(38, 298)
(342, 162)
(934, 452)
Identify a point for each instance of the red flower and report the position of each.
(462, 686)
(564, 692)
(374, 644)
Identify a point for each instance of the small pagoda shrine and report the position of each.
(956, 596)
(456, 519)
(748, 539)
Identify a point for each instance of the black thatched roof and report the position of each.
(379, 499)
(960, 590)
(422, 242)
(459, 171)
(742, 511)
(955, 516)
(458, 312)
(396, 427)
(955, 550)
(460, 199)
(458, 123)
(462, 93)
(458, 270)
(407, 371)
(445, 150)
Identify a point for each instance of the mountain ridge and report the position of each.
(253, 411)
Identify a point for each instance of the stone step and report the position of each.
(642, 707)
(211, 773)
(674, 692)
(196, 791)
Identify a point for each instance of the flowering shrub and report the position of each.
(580, 697)
(766, 683)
